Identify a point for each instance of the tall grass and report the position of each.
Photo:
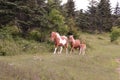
(98, 63)
(10, 72)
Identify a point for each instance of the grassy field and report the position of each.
(98, 63)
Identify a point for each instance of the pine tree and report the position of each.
(70, 8)
(7, 12)
(117, 10)
(30, 15)
(104, 16)
(92, 12)
(116, 16)
(82, 21)
(56, 19)
(69, 13)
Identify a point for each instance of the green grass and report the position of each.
(98, 63)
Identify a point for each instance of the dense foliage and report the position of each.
(115, 34)
(45, 16)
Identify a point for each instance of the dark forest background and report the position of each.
(40, 17)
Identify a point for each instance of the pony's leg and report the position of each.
(55, 50)
(61, 48)
(66, 47)
(83, 51)
(71, 50)
(66, 50)
(80, 51)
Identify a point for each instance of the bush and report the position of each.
(115, 34)
(11, 43)
(34, 35)
(73, 30)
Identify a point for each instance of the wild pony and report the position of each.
(77, 44)
(59, 41)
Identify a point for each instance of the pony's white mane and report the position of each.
(58, 35)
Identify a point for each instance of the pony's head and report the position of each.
(71, 38)
(53, 35)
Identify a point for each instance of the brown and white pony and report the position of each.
(61, 41)
(77, 44)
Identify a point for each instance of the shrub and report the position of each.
(115, 34)
(35, 34)
(73, 30)
(63, 30)
(12, 42)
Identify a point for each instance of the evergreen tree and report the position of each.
(116, 16)
(104, 16)
(56, 19)
(117, 10)
(30, 15)
(82, 21)
(7, 12)
(57, 4)
(92, 12)
(87, 20)
(70, 8)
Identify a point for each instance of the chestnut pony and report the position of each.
(59, 41)
(77, 44)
